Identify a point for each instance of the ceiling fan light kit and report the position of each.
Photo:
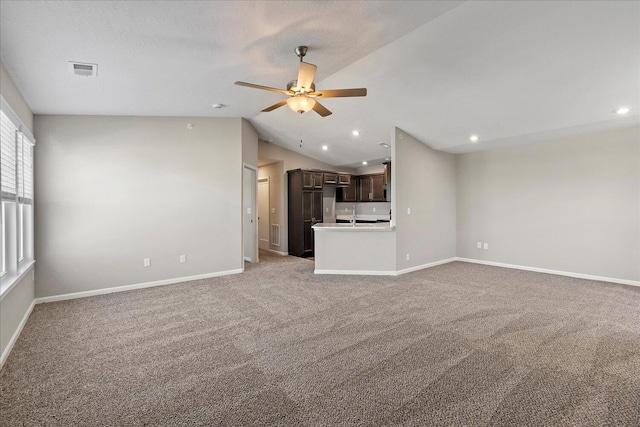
(302, 91)
(301, 103)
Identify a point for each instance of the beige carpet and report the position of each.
(458, 344)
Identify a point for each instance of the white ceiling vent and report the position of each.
(83, 69)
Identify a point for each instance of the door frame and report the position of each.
(254, 188)
(268, 181)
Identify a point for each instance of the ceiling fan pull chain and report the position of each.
(300, 127)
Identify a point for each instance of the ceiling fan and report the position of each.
(302, 91)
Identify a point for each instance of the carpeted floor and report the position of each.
(457, 344)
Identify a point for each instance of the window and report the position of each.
(16, 193)
(4, 262)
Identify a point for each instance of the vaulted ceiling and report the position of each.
(510, 72)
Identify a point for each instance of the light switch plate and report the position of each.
(147, 262)
(479, 245)
(273, 210)
(183, 258)
(486, 246)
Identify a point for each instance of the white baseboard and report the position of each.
(356, 272)
(423, 266)
(103, 291)
(278, 252)
(558, 272)
(16, 334)
(386, 273)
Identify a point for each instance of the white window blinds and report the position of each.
(16, 164)
(26, 181)
(8, 135)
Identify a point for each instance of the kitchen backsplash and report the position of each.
(381, 208)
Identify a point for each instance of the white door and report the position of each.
(249, 229)
(263, 214)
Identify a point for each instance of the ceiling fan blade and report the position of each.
(339, 93)
(274, 106)
(321, 109)
(305, 75)
(272, 89)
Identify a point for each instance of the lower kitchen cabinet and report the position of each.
(305, 210)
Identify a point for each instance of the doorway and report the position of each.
(264, 223)
(249, 229)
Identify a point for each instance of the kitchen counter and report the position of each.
(367, 249)
(376, 226)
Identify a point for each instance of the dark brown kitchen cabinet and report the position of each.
(311, 180)
(377, 188)
(347, 193)
(344, 180)
(364, 189)
(371, 188)
(305, 210)
(330, 178)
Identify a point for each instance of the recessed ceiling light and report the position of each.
(473, 138)
(384, 144)
(325, 147)
(356, 132)
(218, 105)
(364, 163)
(623, 110)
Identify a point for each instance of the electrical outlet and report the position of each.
(479, 245)
(408, 257)
(374, 209)
(147, 262)
(408, 211)
(183, 258)
(326, 209)
(486, 246)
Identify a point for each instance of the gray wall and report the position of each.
(15, 304)
(571, 204)
(249, 144)
(114, 190)
(424, 180)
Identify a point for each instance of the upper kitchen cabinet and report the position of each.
(372, 188)
(378, 187)
(344, 180)
(330, 178)
(347, 193)
(312, 180)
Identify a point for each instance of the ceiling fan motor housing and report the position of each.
(294, 83)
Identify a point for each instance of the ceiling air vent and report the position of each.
(83, 69)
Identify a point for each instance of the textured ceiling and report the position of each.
(511, 72)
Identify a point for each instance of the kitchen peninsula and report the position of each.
(323, 197)
(355, 248)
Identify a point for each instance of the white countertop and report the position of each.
(382, 226)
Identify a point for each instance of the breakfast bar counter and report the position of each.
(366, 249)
